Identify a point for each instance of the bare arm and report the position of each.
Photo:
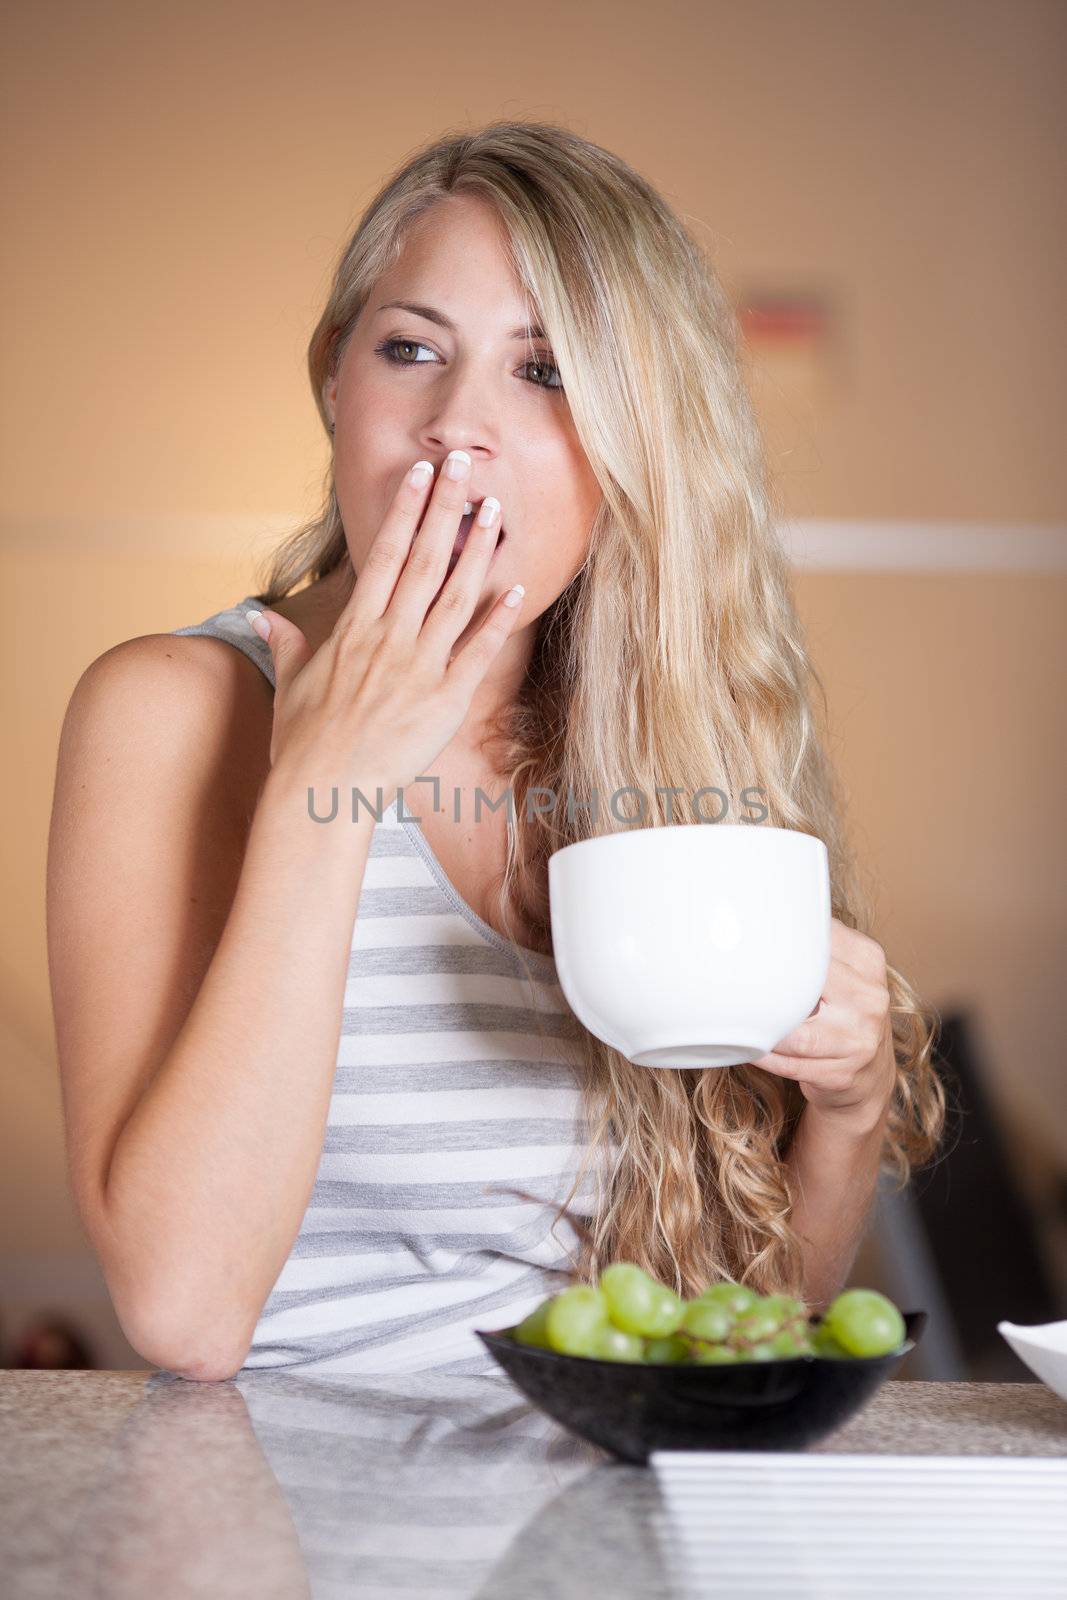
(198, 963)
(834, 1164)
(240, 1103)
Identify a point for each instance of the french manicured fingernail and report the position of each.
(457, 464)
(259, 623)
(420, 474)
(513, 596)
(490, 507)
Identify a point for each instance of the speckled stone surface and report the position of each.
(126, 1484)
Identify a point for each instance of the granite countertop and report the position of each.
(131, 1484)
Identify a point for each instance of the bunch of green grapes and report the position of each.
(629, 1316)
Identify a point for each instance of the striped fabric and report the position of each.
(416, 1486)
(456, 1076)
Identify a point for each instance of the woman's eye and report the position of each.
(551, 366)
(391, 347)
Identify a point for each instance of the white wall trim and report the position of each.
(823, 544)
(830, 544)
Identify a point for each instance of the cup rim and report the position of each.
(687, 827)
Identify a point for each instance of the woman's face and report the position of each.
(470, 386)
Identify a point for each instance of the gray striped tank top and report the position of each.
(456, 1077)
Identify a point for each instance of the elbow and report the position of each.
(209, 1373)
(206, 1367)
(198, 1355)
(165, 1321)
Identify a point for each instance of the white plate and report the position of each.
(1043, 1348)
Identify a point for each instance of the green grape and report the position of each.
(615, 1345)
(667, 1352)
(824, 1344)
(787, 1304)
(532, 1329)
(575, 1320)
(787, 1343)
(667, 1313)
(631, 1297)
(706, 1321)
(760, 1352)
(865, 1323)
(713, 1355)
(733, 1297)
(755, 1326)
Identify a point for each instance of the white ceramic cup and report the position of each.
(700, 945)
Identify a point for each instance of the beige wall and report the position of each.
(180, 186)
(185, 176)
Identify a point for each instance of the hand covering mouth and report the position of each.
(466, 523)
(470, 511)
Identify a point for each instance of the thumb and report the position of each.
(289, 650)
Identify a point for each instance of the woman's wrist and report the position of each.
(858, 1122)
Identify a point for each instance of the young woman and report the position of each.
(324, 1098)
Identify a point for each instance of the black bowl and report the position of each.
(632, 1409)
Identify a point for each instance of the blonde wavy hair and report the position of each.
(674, 658)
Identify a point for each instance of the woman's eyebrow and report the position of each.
(433, 315)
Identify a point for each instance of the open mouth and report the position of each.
(466, 523)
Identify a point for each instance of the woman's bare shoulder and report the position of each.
(196, 694)
(177, 665)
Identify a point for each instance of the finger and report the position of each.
(852, 1000)
(800, 1071)
(843, 983)
(856, 950)
(835, 1035)
(427, 562)
(824, 1038)
(783, 1066)
(469, 666)
(452, 608)
(385, 559)
(289, 650)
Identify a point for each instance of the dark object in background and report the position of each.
(51, 1343)
(632, 1409)
(981, 1231)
